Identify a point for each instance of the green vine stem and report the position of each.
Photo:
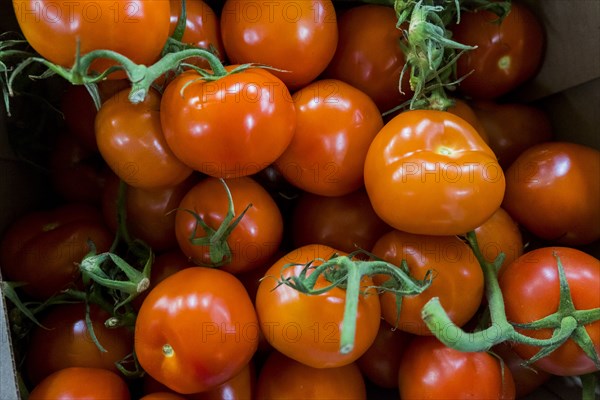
(567, 322)
(347, 272)
(590, 383)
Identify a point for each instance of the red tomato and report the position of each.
(43, 248)
(162, 396)
(462, 109)
(429, 172)
(298, 37)
(196, 330)
(457, 279)
(527, 378)
(368, 55)
(336, 124)
(131, 141)
(533, 280)
(498, 234)
(252, 242)
(507, 54)
(307, 328)
(344, 222)
(137, 29)
(552, 190)
(285, 379)
(231, 127)
(381, 362)
(240, 387)
(64, 341)
(430, 370)
(81, 383)
(512, 128)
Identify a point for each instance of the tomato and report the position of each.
(512, 128)
(462, 109)
(307, 328)
(336, 123)
(43, 248)
(368, 55)
(527, 378)
(231, 127)
(81, 383)
(507, 54)
(457, 279)
(64, 341)
(131, 140)
(240, 387)
(430, 370)
(285, 379)
(137, 29)
(299, 38)
(381, 361)
(552, 190)
(252, 242)
(150, 213)
(345, 222)
(196, 330)
(533, 279)
(429, 172)
(498, 234)
(201, 27)
(162, 396)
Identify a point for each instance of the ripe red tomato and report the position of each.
(162, 396)
(458, 279)
(335, 126)
(430, 370)
(132, 143)
(196, 330)
(81, 383)
(138, 29)
(43, 248)
(533, 279)
(552, 190)
(429, 172)
(507, 54)
(234, 126)
(307, 328)
(512, 128)
(498, 234)
(240, 387)
(299, 38)
(64, 341)
(252, 242)
(285, 379)
(343, 222)
(368, 55)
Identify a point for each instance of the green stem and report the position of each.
(350, 308)
(590, 383)
(181, 23)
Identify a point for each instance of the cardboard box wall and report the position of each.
(567, 87)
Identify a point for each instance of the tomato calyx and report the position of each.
(567, 322)
(346, 272)
(9, 49)
(219, 249)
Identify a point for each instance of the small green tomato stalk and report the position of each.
(567, 322)
(347, 273)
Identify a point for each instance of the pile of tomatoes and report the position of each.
(188, 217)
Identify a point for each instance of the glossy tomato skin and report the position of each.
(232, 127)
(429, 172)
(335, 126)
(297, 37)
(499, 234)
(462, 109)
(81, 383)
(66, 342)
(368, 55)
(196, 330)
(42, 248)
(430, 370)
(138, 29)
(286, 379)
(533, 279)
(255, 238)
(552, 191)
(307, 328)
(458, 280)
(240, 387)
(345, 222)
(512, 128)
(507, 54)
(131, 140)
